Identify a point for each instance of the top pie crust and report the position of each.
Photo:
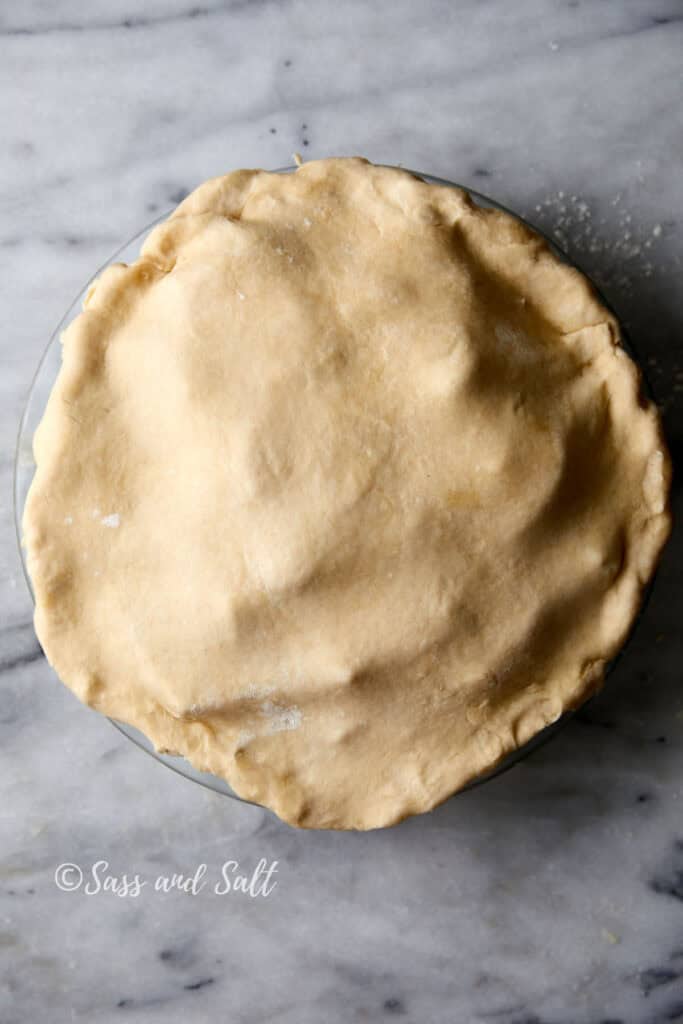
(345, 489)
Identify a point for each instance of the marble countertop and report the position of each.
(552, 895)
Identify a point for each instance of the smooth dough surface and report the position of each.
(346, 488)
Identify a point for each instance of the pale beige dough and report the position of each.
(345, 490)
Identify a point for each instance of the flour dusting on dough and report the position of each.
(256, 692)
(281, 718)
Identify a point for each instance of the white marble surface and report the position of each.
(553, 895)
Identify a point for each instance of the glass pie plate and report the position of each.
(24, 468)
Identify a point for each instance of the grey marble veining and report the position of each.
(552, 895)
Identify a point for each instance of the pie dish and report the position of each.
(345, 490)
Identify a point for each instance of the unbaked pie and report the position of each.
(346, 488)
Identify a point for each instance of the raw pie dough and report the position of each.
(345, 490)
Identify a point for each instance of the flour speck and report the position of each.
(255, 691)
(111, 521)
(281, 718)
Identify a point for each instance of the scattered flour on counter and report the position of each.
(619, 251)
(611, 937)
(68, 520)
(570, 221)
